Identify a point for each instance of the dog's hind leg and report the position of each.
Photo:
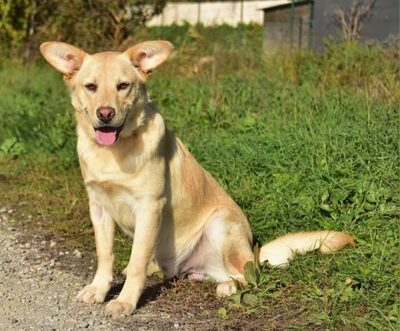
(235, 255)
(227, 249)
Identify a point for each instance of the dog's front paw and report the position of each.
(91, 294)
(116, 308)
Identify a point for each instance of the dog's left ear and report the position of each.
(149, 54)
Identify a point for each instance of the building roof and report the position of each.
(283, 4)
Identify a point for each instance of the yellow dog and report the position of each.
(140, 176)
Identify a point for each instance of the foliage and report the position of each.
(13, 23)
(91, 24)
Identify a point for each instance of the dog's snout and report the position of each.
(105, 114)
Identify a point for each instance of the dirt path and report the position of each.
(36, 295)
(39, 280)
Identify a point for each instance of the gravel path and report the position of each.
(36, 294)
(40, 278)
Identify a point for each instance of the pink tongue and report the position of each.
(106, 138)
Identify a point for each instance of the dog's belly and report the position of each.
(198, 255)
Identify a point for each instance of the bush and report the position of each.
(94, 25)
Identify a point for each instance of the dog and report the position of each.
(140, 176)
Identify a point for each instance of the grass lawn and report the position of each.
(301, 142)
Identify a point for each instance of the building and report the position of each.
(288, 26)
(209, 13)
(309, 23)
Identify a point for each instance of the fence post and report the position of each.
(300, 36)
(311, 26)
(241, 11)
(198, 12)
(292, 17)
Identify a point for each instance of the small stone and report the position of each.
(77, 254)
(27, 245)
(176, 325)
(348, 281)
(53, 243)
(84, 325)
(61, 253)
(43, 242)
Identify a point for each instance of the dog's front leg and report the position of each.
(103, 226)
(148, 218)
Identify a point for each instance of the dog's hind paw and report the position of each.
(226, 289)
(116, 308)
(91, 294)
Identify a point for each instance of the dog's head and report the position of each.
(106, 87)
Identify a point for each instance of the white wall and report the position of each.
(214, 13)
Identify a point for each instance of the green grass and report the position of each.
(301, 142)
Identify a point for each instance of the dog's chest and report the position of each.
(119, 202)
(119, 178)
(114, 191)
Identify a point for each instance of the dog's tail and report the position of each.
(283, 249)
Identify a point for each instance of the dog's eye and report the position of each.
(91, 87)
(122, 86)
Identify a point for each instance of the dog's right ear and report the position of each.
(64, 57)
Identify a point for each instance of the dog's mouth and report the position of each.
(107, 135)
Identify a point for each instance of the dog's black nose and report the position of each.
(105, 114)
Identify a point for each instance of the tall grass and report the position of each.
(301, 141)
